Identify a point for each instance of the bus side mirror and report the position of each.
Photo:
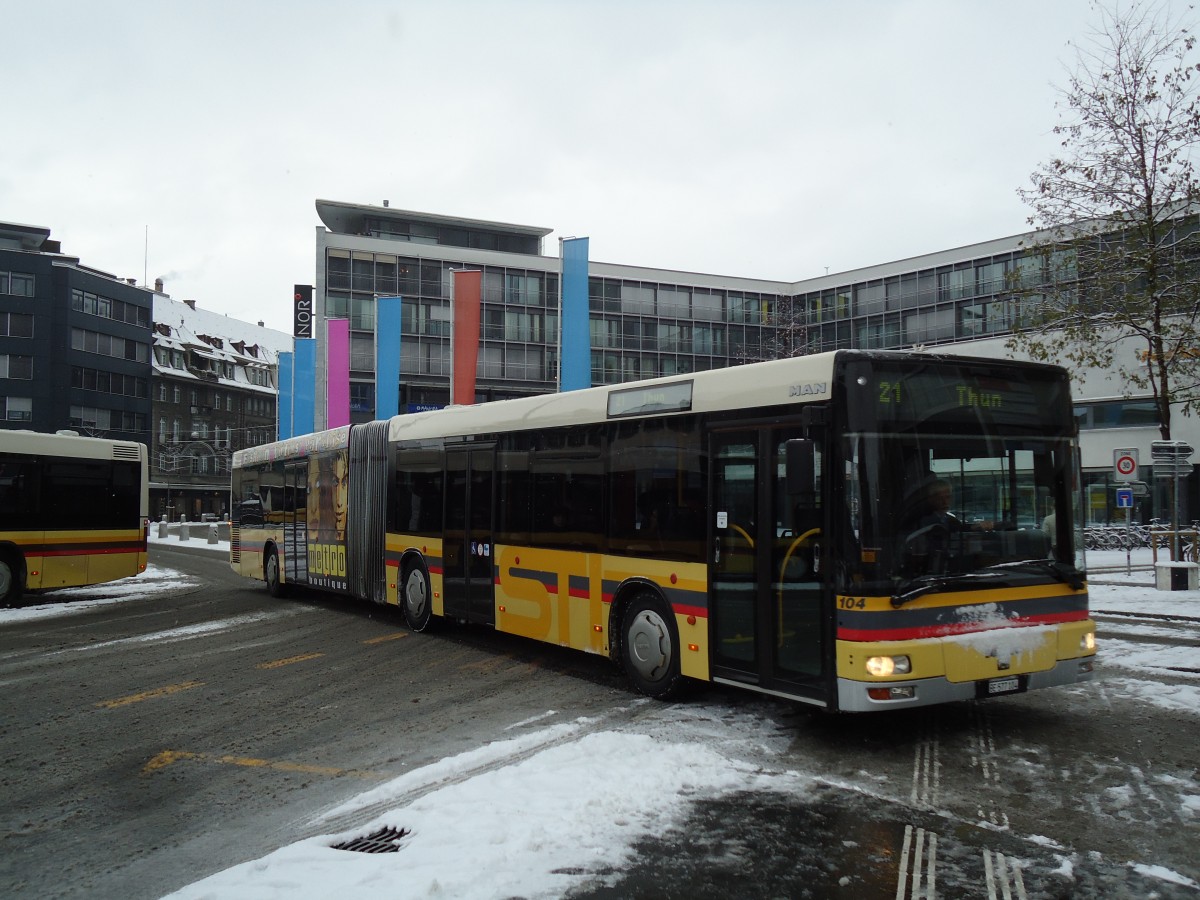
(801, 474)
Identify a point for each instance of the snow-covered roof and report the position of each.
(187, 322)
(210, 335)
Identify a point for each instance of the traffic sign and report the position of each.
(1125, 464)
(1172, 469)
(1170, 450)
(1124, 498)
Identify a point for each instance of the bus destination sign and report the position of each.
(675, 397)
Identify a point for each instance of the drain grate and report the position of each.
(385, 840)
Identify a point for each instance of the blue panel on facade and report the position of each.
(286, 395)
(576, 360)
(304, 387)
(388, 326)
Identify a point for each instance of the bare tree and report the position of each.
(787, 333)
(1112, 279)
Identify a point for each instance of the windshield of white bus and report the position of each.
(955, 474)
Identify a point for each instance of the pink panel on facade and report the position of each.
(337, 372)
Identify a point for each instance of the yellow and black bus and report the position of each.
(73, 511)
(855, 530)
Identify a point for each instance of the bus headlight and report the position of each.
(882, 666)
(1087, 643)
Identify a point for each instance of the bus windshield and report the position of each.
(958, 478)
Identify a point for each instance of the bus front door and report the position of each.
(468, 576)
(765, 608)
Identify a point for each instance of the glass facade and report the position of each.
(645, 329)
(942, 304)
(518, 322)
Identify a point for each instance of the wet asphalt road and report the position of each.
(135, 763)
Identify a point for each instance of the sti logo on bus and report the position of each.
(809, 390)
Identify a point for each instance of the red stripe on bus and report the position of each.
(85, 551)
(699, 612)
(913, 634)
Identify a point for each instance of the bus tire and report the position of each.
(272, 575)
(650, 647)
(10, 582)
(416, 599)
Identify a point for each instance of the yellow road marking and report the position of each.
(490, 665)
(165, 759)
(149, 695)
(484, 665)
(275, 664)
(395, 636)
(168, 757)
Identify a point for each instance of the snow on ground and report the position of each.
(69, 601)
(538, 814)
(534, 828)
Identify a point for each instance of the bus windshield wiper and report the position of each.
(928, 584)
(1060, 571)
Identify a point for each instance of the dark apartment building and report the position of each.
(74, 342)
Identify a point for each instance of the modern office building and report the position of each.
(644, 322)
(215, 391)
(653, 322)
(74, 342)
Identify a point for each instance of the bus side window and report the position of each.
(513, 511)
(418, 481)
(18, 496)
(656, 490)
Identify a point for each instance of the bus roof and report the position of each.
(764, 384)
(34, 443)
(772, 383)
(298, 447)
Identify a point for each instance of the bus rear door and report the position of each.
(469, 578)
(295, 522)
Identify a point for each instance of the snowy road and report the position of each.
(510, 770)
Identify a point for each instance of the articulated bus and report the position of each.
(854, 530)
(73, 511)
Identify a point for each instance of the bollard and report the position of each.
(1177, 576)
(162, 528)
(212, 533)
(183, 531)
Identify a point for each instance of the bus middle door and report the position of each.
(467, 547)
(295, 522)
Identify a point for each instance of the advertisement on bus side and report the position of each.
(327, 514)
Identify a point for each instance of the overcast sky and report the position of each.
(751, 138)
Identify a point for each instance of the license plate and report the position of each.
(1003, 685)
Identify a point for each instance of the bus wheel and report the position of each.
(10, 583)
(650, 647)
(415, 598)
(275, 585)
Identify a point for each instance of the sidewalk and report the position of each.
(198, 537)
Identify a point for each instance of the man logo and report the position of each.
(809, 390)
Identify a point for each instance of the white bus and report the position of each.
(770, 526)
(73, 511)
